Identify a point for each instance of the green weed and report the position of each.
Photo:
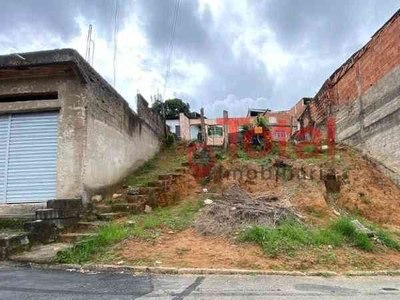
(81, 252)
(344, 227)
(176, 218)
(290, 236)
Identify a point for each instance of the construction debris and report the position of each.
(237, 210)
(360, 228)
(97, 198)
(208, 201)
(148, 209)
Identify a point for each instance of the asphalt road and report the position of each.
(29, 283)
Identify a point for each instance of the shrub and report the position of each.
(261, 121)
(169, 140)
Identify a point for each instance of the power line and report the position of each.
(115, 40)
(171, 44)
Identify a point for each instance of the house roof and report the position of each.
(258, 109)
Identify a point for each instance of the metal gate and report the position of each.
(28, 157)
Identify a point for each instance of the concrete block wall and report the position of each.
(118, 141)
(368, 117)
(150, 117)
(375, 128)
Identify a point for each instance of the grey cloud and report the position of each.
(322, 27)
(197, 39)
(25, 19)
(191, 31)
(319, 30)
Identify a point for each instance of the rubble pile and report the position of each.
(236, 210)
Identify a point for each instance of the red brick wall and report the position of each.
(378, 57)
(382, 55)
(297, 110)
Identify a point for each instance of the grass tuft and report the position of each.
(290, 236)
(344, 227)
(146, 226)
(81, 252)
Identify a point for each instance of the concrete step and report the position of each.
(73, 237)
(128, 207)
(41, 254)
(13, 242)
(51, 214)
(15, 210)
(149, 190)
(103, 208)
(110, 216)
(136, 198)
(66, 204)
(87, 226)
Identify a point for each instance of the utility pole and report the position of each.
(164, 119)
(226, 129)
(203, 126)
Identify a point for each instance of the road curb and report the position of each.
(205, 271)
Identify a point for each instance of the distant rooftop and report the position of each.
(253, 112)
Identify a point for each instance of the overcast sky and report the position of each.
(227, 54)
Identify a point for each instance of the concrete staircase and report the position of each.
(135, 200)
(58, 224)
(19, 233)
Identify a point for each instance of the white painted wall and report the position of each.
(172, 125)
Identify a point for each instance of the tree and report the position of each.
(261, 121)
(172, 108)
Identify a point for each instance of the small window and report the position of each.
(29, 97)
(280, 134)
(215, 131)
(272, 120)
(178, 131)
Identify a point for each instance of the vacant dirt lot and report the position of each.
(319, 239)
